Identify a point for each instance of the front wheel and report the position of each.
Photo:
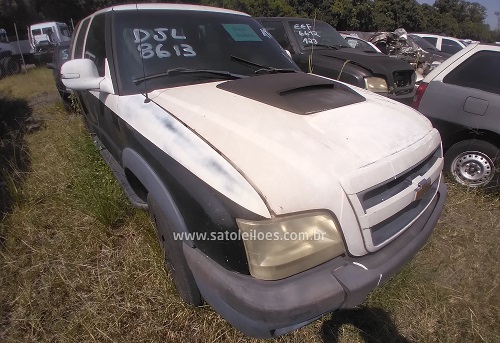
(175, 261)
(474, 163)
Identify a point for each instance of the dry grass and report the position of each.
(29, 86)
(78, 264)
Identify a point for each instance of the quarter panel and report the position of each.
(444, 105)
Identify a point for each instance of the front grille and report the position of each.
(402, 78)
(392, 225)
(380, 193)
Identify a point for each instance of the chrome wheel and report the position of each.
(473, 168)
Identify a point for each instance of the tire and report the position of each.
(474, 163)
(175, 262)
(11, 66)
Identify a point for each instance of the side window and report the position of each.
(450, 46)
(95, 47)
(277, 30)
(80, 38)
(481, 71)
(432, 40)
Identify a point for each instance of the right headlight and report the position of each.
(376, 84)
(284, 246)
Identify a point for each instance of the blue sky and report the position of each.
(491, 5)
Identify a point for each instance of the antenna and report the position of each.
(312, 46)
(147, 100)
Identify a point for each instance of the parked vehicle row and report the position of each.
(305, 193)
(318, 48)
(449, 45)
(416, 51)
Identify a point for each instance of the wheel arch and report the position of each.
(142, 171)
(478, 134)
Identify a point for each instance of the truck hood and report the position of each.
(293, 160)
(377, 63)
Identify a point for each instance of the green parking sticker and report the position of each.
(242, 33)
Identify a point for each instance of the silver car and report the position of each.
(462, 99)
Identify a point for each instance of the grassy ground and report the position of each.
(78, 264)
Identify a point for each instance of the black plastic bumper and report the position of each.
(265, 309)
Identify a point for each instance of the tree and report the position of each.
(392, 14)
(475, 12)
(456, 8)
(430, 19)
(258, 8)
(352, 15)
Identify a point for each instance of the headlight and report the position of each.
(376, 84)
(280, 247)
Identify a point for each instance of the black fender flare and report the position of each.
(134, 162)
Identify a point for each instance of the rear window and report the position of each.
(481, 71)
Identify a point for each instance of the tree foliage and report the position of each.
(458, 18)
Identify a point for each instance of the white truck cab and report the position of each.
(48, 33)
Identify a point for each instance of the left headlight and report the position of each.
(376, 84)
(284, 246)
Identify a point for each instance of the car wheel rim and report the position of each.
(473, 168)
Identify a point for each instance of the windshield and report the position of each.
(149, 43)
(422, 43)
(311, 33)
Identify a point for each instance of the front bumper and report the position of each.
(266, 309)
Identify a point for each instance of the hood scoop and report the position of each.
(299, 93)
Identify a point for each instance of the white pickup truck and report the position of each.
(278, 196)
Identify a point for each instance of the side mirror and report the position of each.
(80, 75)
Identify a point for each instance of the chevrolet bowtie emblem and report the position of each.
(422, 189)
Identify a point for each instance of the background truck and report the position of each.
(10, 57)
(44, 36)
(316, 47)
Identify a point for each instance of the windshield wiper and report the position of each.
(178, 71)
(262, 68)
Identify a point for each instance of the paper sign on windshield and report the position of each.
(242, 33)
